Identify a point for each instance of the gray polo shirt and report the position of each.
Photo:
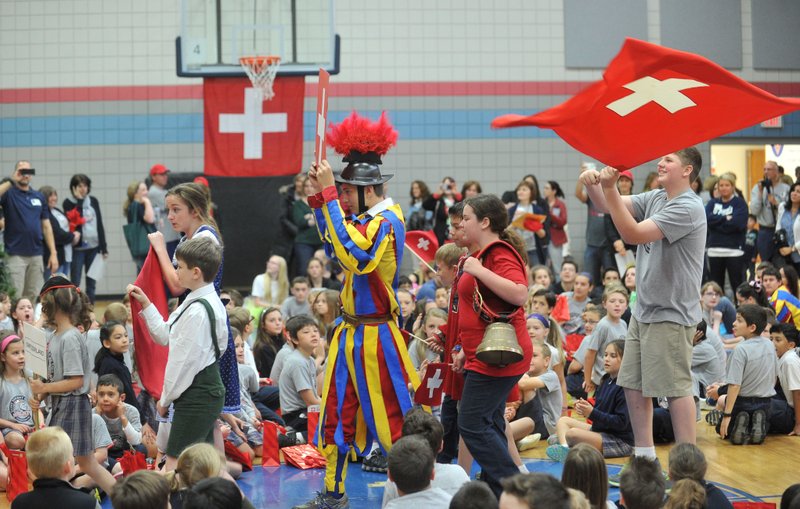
(299, 373)
(754, 367)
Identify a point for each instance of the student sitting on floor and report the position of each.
(541, 392)
(751, 376)
(298, 382)
(252, 441)
(411, 463)
(641, 484)
(534, 491)
(143, 489)
(785, 406)
(121, 419)
(474, 495)
(575, 371)
(687, 461)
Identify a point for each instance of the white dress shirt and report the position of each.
(190, 347)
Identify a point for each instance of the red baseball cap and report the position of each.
(201, 180)
(158, 169)
(627, 174)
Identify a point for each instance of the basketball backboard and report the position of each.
(216, 33)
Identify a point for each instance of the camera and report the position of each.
(767, 184)
(27, 171)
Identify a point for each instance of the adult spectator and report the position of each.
(63, 238)
(418, 218)
(157, 193)
(27, 223)
(138, 208)
(439, 203)
(288, 194)
(651, 182)
(786, 179)
(727, 226)
(764, 200)
(93, 235)
(788, 214)
(536, 237)
(558, 222)
(510, 196)
(616, 244)
(596, 253)
(471, 188)
(307, 240)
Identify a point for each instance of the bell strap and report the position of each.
(479, 305)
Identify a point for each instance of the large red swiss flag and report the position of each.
(653, 101)
(245, 137)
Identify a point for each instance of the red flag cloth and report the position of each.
(17, 472)
(234, 454)
(151, 358)
(304, 456)
(430, 389)
(653, 101)
(572, 343)
(423, 244)
(247, 137)
(271, 455)
(131, 461)
(560, 312)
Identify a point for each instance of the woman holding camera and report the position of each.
(493, 280)
(727, 226)
(439, 203)
(788, 214)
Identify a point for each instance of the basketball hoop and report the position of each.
(262, 72)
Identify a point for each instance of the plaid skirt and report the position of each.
(73, 413)
(615, 447)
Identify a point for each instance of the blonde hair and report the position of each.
(730, 177)
(48, 450)
(421, 347)
(332, 298)
(117, 312)
(283, 283)
(686, 494)
(132, 188)
(615, 288)
(196, 462)
(196, 198)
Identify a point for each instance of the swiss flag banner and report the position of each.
(430, 389)
(151, 358)
(248, 137)
(423, 244)
(653, 101)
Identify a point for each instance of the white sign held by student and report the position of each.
(35, 350)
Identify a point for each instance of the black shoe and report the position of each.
(375, 462)
(325, 501)
(758, 427)
(714, 417)
(740, 429)
(287, 440)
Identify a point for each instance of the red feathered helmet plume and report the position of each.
(362, 143)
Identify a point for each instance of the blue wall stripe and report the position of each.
(188, 128)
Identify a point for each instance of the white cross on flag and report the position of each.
(431, 387)
(653, 101)
(248, 137)
(423, 244)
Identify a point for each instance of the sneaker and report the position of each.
(714, 417)
(557, 452)
(741, 426)
(552, 439)
(528, 442)
(287, 440)
(375, 462)
(758, 427)
(325, 501)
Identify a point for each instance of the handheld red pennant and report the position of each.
(430, 389)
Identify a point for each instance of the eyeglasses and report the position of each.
(711, 294)
(590, 322)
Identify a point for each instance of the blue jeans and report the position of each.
(596, 258)
(62, 269)
(266, 400)
(482, 425)
(449, 420)
(82, 259)
(764, 243)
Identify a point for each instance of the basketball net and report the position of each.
(262, 72)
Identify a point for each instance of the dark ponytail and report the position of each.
(513, 238)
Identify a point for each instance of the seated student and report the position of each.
(214, 492)
(249, 415)
(120, 418)
(297, 303)
(448, 477)
(610, 275)
(585, 470)
(196, 463)
(541, 392)
(405, 299)
(686, 494)
(575, 370)
(17, 405)
(50, 460)
(790, 499)
(143, 489)
(751, 376)
(708, 357)
(411, 470)
(784, 415)
(569, 269)
(241, 319)
(533, 491)
(786, 305)
(641, 484)
(418, 350)
(687, 461)
(298, 382)
(610, 328)
(474, 495)
(6, 323)
(577, 300)
(610, 431)
(110, 358)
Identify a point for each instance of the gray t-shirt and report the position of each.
(604, 333)
(576, 307)
(67, 355)
(158, 198)
(117, 432)
(277, 366)
(708, 359)
(754, 367)
(595, 226)
(448, 478)
(668, 271)
(14, 404)
(432, 498)
(551, 399)
(248, 384)
(580, 353)
(291, 308)
(100, 436)
(299, 373)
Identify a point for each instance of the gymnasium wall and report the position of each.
(90, 86)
